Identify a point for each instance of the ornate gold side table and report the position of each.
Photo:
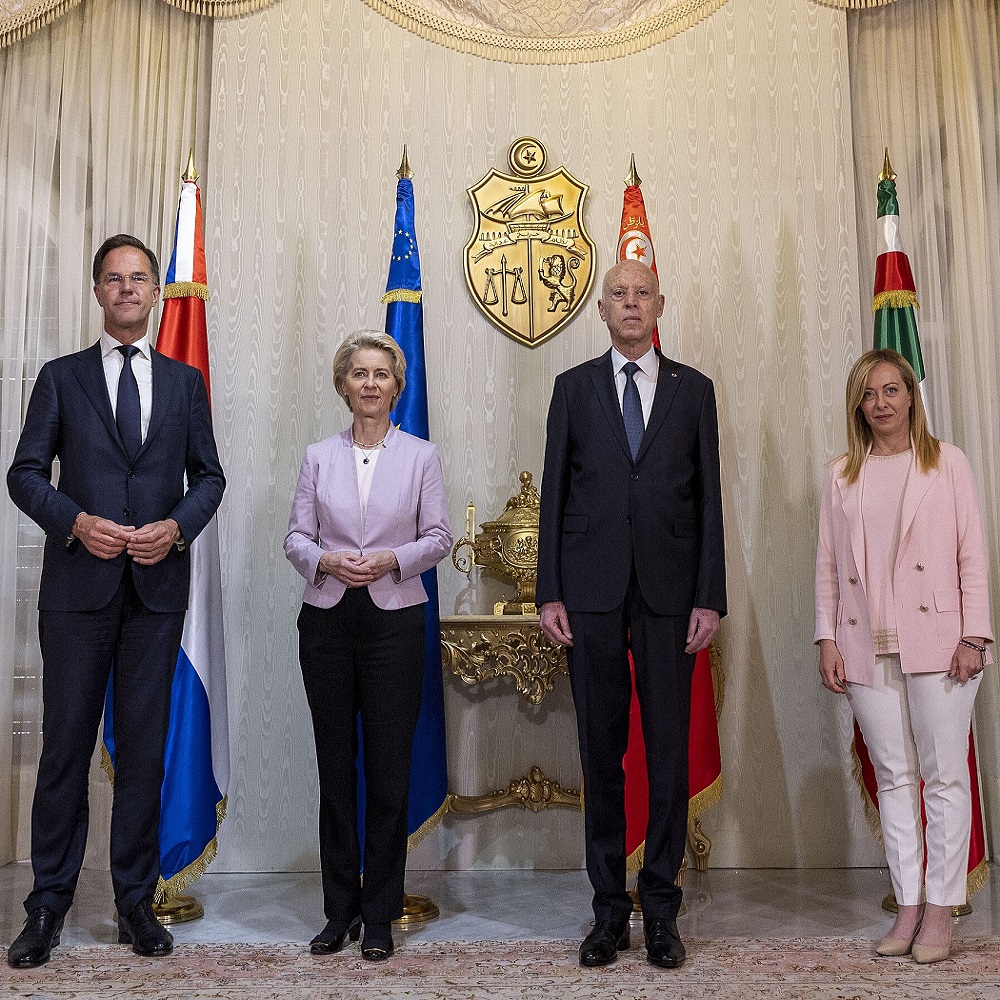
(479, 648)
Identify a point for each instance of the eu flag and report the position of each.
(404, 322)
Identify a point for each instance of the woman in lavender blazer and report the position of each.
(903, 626)
(369, 515)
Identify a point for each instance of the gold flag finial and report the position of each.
(190, 174)
(888, 174)
(633, 179)
(404, 167)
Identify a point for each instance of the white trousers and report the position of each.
(917, 726)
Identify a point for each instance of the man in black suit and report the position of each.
(139, 477)
(631, 557)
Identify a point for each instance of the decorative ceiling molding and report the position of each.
(537, 31)
(854, 4)
(220, 8)
(515, 31)
(18, 20)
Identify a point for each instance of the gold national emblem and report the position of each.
(529, 262)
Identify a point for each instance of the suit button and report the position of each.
(852, 579)
(852, 621)
(635, 475)
(125, 511)
(920, 567)
(628, 520)
(923, 607)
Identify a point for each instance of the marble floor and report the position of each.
(514, 905)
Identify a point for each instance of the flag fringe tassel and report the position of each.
(185, 290)
(895, 298)
(427, 825)
(697, 804)
(402, 295)
(633, 863)
(974, 881)
(172, 887)
(871, 810)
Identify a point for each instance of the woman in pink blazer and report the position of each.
(369, 515)
(903, 626)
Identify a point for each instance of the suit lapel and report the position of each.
(917, 485)
(851, 500)
(668, 380)
(603, 377)
(89, 373)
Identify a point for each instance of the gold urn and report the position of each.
(506, 547)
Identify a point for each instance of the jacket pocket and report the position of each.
(948, 620)
(576, 522)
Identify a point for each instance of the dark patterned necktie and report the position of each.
(128, 416)
(632, 410)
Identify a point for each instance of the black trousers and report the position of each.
(78, 651)
(602, 691)
(358, 659)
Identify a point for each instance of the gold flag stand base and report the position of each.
(178, 910)
(417, 909)
(889, 903)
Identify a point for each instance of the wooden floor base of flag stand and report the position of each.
(417, 909)
(178, 910)
(889, 903)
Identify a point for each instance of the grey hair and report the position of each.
(377, 340)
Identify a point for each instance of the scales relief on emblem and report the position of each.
(529, 262)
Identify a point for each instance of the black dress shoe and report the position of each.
(602, 944)
(663, 944)
(35, 943)
(144, 932)
(332, 937)
(376, 945)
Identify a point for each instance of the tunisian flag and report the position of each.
(893, 305)
(704, 755)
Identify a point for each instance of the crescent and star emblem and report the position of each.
(635, 245)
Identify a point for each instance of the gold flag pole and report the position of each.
(416, 909)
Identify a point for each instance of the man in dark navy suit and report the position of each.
(631, 557)
(139, 478)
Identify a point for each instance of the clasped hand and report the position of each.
(356, 570)
(966, 663)
(106, 539)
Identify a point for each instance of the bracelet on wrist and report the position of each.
(981, 650)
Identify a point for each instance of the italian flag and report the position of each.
(896, 328)
(895, 294)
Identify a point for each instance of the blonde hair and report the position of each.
(926, 447)
(376, 340)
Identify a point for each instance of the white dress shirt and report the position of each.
(142, 368)
(645, 378)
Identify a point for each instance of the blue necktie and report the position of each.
(632, 409)
(128, 416)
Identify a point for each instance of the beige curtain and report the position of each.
(757, 132)
(741, 130)
(925, 82)
(97, 115)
